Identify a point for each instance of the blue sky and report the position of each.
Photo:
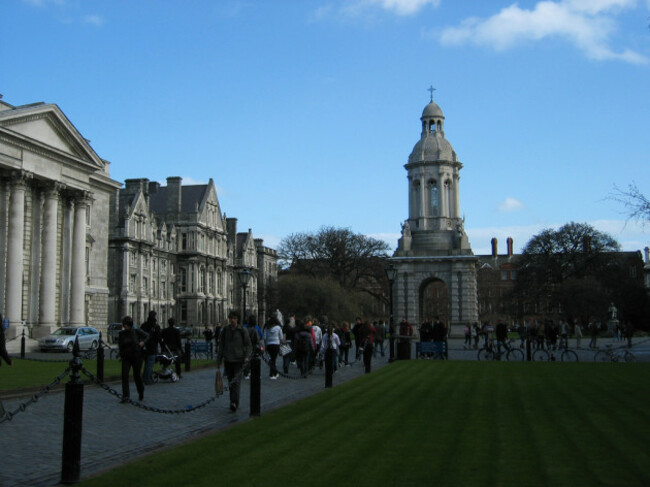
(304, 112)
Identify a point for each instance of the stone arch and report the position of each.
(434, 300)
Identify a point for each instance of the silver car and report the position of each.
(63, 339)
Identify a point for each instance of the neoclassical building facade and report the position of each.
(174, 252)
(78, 249)
(54, 197)
(436, 268)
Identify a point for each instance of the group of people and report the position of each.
(141, 345)
(306, 342)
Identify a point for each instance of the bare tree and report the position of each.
(637, 206)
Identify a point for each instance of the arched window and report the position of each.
(434, 197)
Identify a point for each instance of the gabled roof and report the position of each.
(45, 127)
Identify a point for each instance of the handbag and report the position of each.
(218, 383)
(285, 349)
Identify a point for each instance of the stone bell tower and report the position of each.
(436, 268)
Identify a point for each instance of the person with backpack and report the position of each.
(304, 346)
(152, 328)
(234, 352)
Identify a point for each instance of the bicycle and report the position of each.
(547, 354)
(619, 354)
(490, 351)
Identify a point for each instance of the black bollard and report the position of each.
(528, 352)
(100, 359)
(72, 422)
(329, 369)
(188, 358)
(256, 384)
(22, 345)
(391, 344)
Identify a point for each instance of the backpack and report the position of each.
(304, 344)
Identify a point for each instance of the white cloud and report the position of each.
(510, 204)
(587, 24)
(94, 20)
(354, 8)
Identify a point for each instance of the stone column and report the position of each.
(15, 246)
(78, 261)
(47, 309)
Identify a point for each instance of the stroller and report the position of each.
(167, 361)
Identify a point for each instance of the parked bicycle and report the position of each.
(550, 354)
(491, 351)
(619, 354)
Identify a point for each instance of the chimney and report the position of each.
(174, 194)
(647, 255)
(135, 186)
(153, 187)
(509, 244)
(494, 247)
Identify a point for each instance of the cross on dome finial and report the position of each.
(431, 89)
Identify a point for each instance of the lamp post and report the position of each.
(391, 274)
(244, 277)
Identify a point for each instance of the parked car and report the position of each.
(113, 331)
(63, 339)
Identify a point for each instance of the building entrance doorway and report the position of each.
(434, 300)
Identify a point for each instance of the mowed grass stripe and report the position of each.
(429, 422)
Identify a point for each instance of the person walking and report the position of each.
(130, 342)
(171, 337)
(380, 337)
(303, 346)
(593, 332)
(577, 332)
(331, 344)
(152, 328)
(234, 352)
(367, 336)
(272, 340)
(289, 330)
(4, 355)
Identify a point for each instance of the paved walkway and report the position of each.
(113, 432)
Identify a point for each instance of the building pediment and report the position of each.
(45, 129)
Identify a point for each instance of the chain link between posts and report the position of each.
(9, 415)
(153, 409)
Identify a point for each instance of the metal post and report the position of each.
(72, 422)
(22, 345)
(329, 367)
(256, 384)
(528, 351)
(100, 359)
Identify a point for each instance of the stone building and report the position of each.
(173, 251)
(54, 202)
(436, 268)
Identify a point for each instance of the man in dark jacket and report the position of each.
(130, 341)
(152, 328)
(234, 351)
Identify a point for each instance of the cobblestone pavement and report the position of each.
(113, 432)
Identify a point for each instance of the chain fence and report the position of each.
(22, 407)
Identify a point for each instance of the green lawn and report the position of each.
(32, 375)
(421, 423)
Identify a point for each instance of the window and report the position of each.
(504, 275)
(132, 281)
(182, 285)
